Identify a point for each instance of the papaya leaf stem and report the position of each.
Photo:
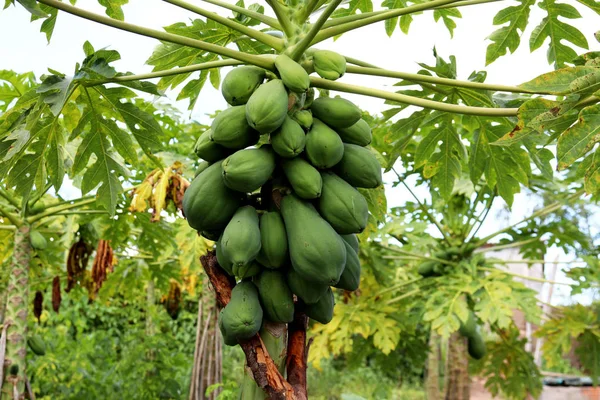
(309, 8)
(436, 80)
(10, 216)
(529, 278)
(403, 296)
(509, 245)
(7, 227)
(397, 286)
(356, 61)
(58, 209)
(421, 256)
(280, 10)
(164, 36)
(480, 219)
(305, 43)
(265, 19)
(39, 195)
(346, 27)
(10, 198)
(415, 101)
(262, 37)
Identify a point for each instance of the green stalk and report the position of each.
(481, 218)
(39, 195)
(304, 44)
(405, 295)
(415, 101)
(284, 20)
(509, 245)
(530, 262)
(539, 213)
(423, 208)
(358, 62)
(13, 202)
(272, 22)
(358, 17)
(397, 286)
(346, 27)
(529, 278)
(10, 216)
(408, 253)
(262, 37)
(436, 80)
(59, 209)
(164, 36)
(82, 212)
(309, 8)
(17, 305)
(7, 227)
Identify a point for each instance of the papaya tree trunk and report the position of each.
(458, 382)
(17, 302)
(432, 377)
(150, 312)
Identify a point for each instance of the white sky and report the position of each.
(23, 48)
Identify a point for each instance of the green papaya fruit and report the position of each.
(274, 245)
(208, 150)
(352, 240)
(242, 316)
(228, 337)
(308, 291)
(268, 106)
(276, 297)
(322, 310)
(426, 268)
(211, 235)
(329, 64)
(36, 344)
(249, 270)
(359, 167)
(231, 130)
(37, 240)
(324, 148)
(304, 178)
(317, 252)
(439, 269)
(289, 139)
(304, 118)
(293, 75)
(469, 327)
(249, 169)
(240, 83)
(222, 259)
(359, 133)
(335, 111)
(201, 167)
(350, 278)
(476, 346)
(208, 204)
(241, 237)
(342, 206)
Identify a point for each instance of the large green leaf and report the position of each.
(114, 8)
(509, 36)
(576, 141)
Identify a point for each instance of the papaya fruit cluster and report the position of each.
(476, 345)
(277, 192)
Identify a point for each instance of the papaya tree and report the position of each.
(286, 211)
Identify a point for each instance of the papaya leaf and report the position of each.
(558, 32)
(576, 141)
(353, 7)
(114, 8)
(592, 174)
(558, 82)
(509, 36)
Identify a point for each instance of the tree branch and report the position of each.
(263, 368)
(438, 81)
(262, 37)
(415, 101)
(303, 44)
(165, 36)
(265, 19)
(345, 27)
(297, 354)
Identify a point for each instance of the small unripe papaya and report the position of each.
(247, 170)
(37, 240)
(267, 107)
(293, 75)
(304, 118)
(336, 111)
(359, 133)
(230, 129)
(304, 178)
(329, 64)
(289, 139)
(240, 83)
(37, 345)
(324, 148)
(206, 149)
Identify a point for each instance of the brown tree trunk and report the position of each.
(458, 382)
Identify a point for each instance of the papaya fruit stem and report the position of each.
(415, 101)
(164, 36)
(272, 22)
(262, 37)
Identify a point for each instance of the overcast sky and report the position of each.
(23, 48)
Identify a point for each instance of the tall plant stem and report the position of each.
(59, 209)
(529, 278)
(343, 28)
(423, 208)
(284, 20)
(16, 315)
(265, 19)
(306, 41)
(262, 37)
(13, 202)
(436, 80)
(408, 253)
(165, 36)
(357, 17)
(415, 101)
(539, 213)
(509, 245)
